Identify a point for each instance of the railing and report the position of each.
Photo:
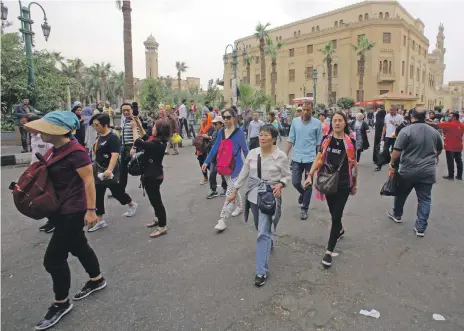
(382, 77)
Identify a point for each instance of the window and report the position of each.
(230, 82)
(313, 29)
(150, 72)
(402, 68)
(335, 70)
(387, 15)
(341, 22)
(384, 92)
(390, 67)
(360, 18)
(385, 66)
(309, 49)
(299, 33)
(291, 52)
(257, 60)
(420, 48)
(413, 45)
(423, 76)
(280, 37)
(317, 28)
(258, 79)
(309, 73)
(334, 44)
(294, 34)
(336, 23)
(291, 75)
(309, 95)
(290, 98)
(418, 74)
(380, 15)
(380, 67)
(366, 16)
(411, 71)
(386, 37)
(404, 40)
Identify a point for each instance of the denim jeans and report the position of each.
(263, 224)
(424, 201)
(298, 170)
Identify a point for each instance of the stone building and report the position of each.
(398, 63)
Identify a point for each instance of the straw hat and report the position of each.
(57, 123)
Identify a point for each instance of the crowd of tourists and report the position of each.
(85, 154)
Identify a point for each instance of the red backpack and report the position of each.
(34, 194)
(225, 159)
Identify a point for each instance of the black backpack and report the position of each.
(136, 165)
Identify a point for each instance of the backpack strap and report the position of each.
(53, 159)
(259, 166)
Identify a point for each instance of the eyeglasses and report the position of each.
(227, 117)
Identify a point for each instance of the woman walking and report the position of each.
(338, 153)
(76, 211)
(154, 148)
(80, 132)
(238, 145)
(205, 133)
(265, 168)
(360, 127)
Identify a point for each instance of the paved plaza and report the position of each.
(196, 279)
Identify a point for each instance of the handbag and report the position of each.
(391, 188)
(327, 182)
(98, 168)
(266, 200)
(136, 166)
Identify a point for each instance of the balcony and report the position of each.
(385, 77)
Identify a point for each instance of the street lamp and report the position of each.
(315, 72)
(26, 30)
(234, 64)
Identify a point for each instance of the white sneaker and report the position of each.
(237, 211)
(221, 225)
(131, 210)
(100, 225)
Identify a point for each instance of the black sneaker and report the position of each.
(54, 314)
(448, 177)
(396, 219)
(458, 178)
(340, 236)
(47, 227)
(327, 260)
(419, 233)
(90, 287)
(377, 169)
(260, 280)
(303, 215)
(300, 199)
(212, 194)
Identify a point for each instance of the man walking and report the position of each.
(183, 119)
(305, 138)
(21, 111)
(392, 121)
(417, 149)
(253, 131)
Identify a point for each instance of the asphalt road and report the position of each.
(195, 279)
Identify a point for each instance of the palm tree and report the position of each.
(362, 47)
(328, 50)
(125, 6)
(271, 50)
(115, 87)
(180, 67)
(248, 60)
(92, 83)
(101, 71)
(262, 35)
(169, 82)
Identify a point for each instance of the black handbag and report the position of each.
(266, 200)
(391, 188)
(327, 181)
(136, 165)
(98, 168)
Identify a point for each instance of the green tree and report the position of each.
(212, 93)
(151, 95)
(345, 103)
(272, 49)
(180, 67)
(261, 34)
(362, 47)
(328, 50)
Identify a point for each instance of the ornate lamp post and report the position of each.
(28, 34)
(234, 65)
(315, 72)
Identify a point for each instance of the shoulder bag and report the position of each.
(327, 181)
(266, 200)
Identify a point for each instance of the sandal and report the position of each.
(152, 224)
(158, 233)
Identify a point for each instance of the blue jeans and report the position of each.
(424, 201)
(298, 169)
(263, 224)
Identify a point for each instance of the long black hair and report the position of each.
(342, 114)
(163, 131)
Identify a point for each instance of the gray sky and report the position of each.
(197, 31)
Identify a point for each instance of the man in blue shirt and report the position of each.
(305, 138)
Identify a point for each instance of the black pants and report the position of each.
(375, 154)
(452, 157)
(254, 142)
(183, 122)
(118, 192)
(191, 130)
(124, 174)
(336, 203)
(358, 155)
(152, 187)
(384, 157)
(201, 160)
(24, 137)
(212, 178)
(68, 237)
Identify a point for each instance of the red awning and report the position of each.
(369, 103)
(300, 101)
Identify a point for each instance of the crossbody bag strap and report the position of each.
(259, 166)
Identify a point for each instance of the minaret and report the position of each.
(151, 57)
(441, 50)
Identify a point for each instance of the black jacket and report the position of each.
(153, 156)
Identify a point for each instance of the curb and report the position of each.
(26, 158)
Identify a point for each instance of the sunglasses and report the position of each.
(227, 117)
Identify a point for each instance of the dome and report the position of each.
(150, 41)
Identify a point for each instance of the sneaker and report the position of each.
(327, 260)
(131, 210)
(212, 194)
(300, 199)
(377, 169)
(448, 177)
(237, 211)
(458, 178)
(54, 314)
(100, 225)
(396, 219)
(223, 193)
(204, 181)
(303, 215)
(340, 236)
(260, 280)
(90, 287)
(419, 233)
(221, 225)
(47, 227)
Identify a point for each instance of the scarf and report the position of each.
(350, 152)
(206, 126)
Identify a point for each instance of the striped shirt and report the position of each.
(127, 135)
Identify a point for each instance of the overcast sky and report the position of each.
(197, 31)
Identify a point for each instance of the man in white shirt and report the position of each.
(183, 119)
(392, 121)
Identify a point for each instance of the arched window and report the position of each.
(385, 66)
(390, 67)
(366, 16)
(387, 15)
(341, 22)
(280, 37)
(313, 29)
(380, 66)
(336, 23)
(360, 18)
(299, 33)
(380, 15)
(294, 33)
(317, 28)
(335, 70)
